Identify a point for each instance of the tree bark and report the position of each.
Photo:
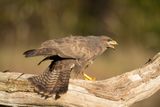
(119, 91)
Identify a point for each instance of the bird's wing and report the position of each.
(54, 80)
(77, 47)
(69, 47)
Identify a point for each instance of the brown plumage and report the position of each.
(55, 78)
(72, 53)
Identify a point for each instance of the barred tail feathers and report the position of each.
(62, 83)
(51, 82)
(54, 80)
(45, 82)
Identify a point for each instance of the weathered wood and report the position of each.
(118, 91)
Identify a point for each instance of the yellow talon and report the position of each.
(86, 77)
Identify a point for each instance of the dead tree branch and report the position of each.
(118, 91)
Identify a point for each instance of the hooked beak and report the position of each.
(112, 44)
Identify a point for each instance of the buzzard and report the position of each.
(73, 53)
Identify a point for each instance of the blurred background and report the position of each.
(134, 24)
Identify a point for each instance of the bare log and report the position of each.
(118, 91)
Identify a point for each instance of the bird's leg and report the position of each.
(79, 66)
(86, 77)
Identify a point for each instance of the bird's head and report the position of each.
(108, 42)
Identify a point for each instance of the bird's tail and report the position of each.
(30, 53)
(51, 82)
(45, 82)
(38, 52)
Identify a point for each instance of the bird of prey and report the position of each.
(73, 53)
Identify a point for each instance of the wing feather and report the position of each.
(71, 47)
(55, 79)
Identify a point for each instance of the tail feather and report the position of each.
(39, 84)
(30, 53)
(51, 83)
(37, 52)
(54, 80)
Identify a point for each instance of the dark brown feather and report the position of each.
(55, 79)
(38, 52)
